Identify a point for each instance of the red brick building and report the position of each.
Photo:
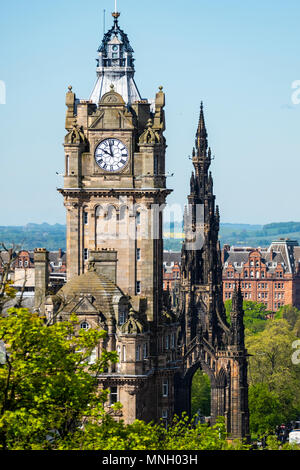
(270, 276)
(171, 275)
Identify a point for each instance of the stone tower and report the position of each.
(207, 340)
(114, 188)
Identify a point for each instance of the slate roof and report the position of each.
(284, 251)
(100, 290)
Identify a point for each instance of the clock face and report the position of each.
(111, 155)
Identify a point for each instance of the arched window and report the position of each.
(85, 218)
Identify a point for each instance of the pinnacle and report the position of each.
(201, 135)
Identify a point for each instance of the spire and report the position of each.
(237, 317)
(201, 135)
(237, 299)
(115, 64)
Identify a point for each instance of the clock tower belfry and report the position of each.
(114, 182)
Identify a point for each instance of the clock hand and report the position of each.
(107, 152)
(110, 145)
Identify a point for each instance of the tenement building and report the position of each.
(114, 191)
(270, 276)
(21, 272)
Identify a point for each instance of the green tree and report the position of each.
(271, 368)
(296, 329)
(265, 409)
(47, 386)
(200, 394)
(290, 314)
(181, 434)
(255, 318)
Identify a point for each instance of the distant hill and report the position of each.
(53, 237)
(33, 236)
(244, 234)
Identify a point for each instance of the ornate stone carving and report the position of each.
(150, 136)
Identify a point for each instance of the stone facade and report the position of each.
(114, 187)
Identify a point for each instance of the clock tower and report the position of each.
(114, 183)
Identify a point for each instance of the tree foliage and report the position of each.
(265, 408)
(200, 394)
(49, 395)
(255, 315)
(289, 313)
(181, 434)
(272, 374)
(47, 385)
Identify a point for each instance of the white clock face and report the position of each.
(111, 155)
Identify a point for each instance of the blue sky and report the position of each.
(239, 57)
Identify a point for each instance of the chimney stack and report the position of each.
(105, 262)
(41, 272)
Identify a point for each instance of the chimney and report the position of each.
(41, 273)
(105, 262)
(271, 254)
(60, 253)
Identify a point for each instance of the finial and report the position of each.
(160, 88)
(201, 135)
(70, 87)
(112, 86)
(116, 14)
(149, 123)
